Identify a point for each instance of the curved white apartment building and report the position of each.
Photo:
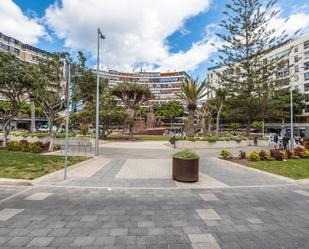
(163, 85)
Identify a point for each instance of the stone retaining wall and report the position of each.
(185, 144)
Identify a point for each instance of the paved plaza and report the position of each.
(131, 202)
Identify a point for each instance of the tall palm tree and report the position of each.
(192, 91)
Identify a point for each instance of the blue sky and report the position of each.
(157, 35)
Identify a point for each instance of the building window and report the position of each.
(307, 97)
(306, 66)
(282, 74)
(306, 87)
(307, 108)
(296, 58)
(306, 55)
(296, 49)
(296, 69)
(306, 75)
(306, 44)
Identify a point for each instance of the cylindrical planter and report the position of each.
(185, 170)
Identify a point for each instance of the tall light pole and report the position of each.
(291, 116)
(100, 36)
(67, 74)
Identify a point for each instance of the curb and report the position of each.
(15, 182)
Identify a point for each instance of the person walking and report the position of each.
(285, 141)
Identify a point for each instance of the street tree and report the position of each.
(50, 90)
(15, 82)
(171, 110)
(133, 96)
(247, 37)
(192, 91)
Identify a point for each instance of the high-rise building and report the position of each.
(23, 51)
(163, 85)
(296, 74)
(27, 53)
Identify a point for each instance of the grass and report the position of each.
(21, 165)
(294, 168)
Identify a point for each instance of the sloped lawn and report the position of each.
(293, 168)
(21, 165)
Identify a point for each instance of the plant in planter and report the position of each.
(185, 166)
(226, 154)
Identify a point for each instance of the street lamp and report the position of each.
(67, 75)
(100, 36)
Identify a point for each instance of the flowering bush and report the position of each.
(225, 154)
(254, 156)
(298, 151)
(25, 146)
(264, 155)
(278, 154)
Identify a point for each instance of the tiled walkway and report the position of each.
(67, 218)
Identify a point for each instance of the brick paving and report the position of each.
(262, 217)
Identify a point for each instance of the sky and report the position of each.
(155, 35)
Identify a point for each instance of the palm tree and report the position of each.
(191, 92)
(133, 96)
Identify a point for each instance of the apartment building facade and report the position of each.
(163, 85)
(296, 75)
(23, 51)
(27, 53)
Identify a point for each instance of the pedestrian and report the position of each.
(285, 141)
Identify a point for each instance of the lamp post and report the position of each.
(291, 116)
(67, 75)
(100, 36)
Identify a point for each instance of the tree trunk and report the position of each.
(131, 124)
(32, 126)
(5, 136)
(51, 141)
(248, 127)
(218, 119)
(191, 129)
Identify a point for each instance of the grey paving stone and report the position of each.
(8, 213)
(84, 241)
(255, 220)
(40, 242)
(118, 231)
(209, 197)
(208, 214)
(19, 241)
(125, 240)
(39, 196)
(105, 240)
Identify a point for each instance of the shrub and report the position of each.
(14, 146)
(306, 154)
(278, 154)
(225, 154)
(290, 154)
(212, 139)
(254, 156)
(242, 154)
(186, 154)
(34, 147)
(298, 151)
(84, 129)
(264, 155)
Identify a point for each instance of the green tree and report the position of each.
(247, 37)
(192, 91)
(133, 96)
(278, 106)
(171, 110)
(15, 83)
(257, 125)
(235, 127)
(49, 90)
(221, 94)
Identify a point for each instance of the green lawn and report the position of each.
(21, 165)
(295, 168)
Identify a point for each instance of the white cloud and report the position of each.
(136, 31)
(14, 23)
(295, 22)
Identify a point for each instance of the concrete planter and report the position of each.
(185, 144)
(185, 170)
